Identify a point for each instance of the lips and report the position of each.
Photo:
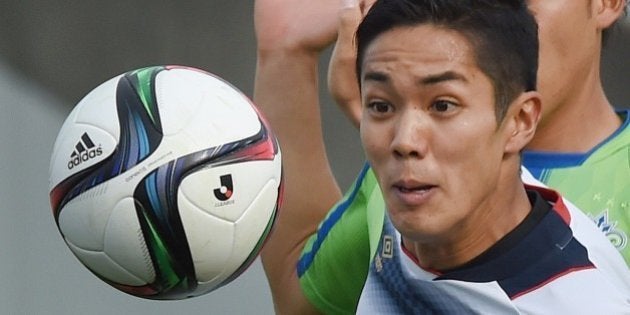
(412, 185)
(420, 188)
(413, 193)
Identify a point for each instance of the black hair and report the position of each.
(502, 33)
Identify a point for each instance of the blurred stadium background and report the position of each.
(53, 53)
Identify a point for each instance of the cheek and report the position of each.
(470, 169)
(466, 139)
(373, 145)
(472, 156)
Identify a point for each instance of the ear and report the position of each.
(608, 11)
(521, 120)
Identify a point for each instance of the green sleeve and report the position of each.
(335, 261)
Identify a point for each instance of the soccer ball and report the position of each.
(164, 182)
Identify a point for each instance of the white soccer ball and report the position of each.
(164, 182)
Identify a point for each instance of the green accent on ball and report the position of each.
(145, 88)
(166, 275)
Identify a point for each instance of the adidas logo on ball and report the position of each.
(84, 150)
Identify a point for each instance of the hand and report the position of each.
(309, 25)
(342, 80)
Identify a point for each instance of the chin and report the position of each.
(419, 228)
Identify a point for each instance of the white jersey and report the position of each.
(560, 265)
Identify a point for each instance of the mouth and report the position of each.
(412, 186)
(414, 189)
(412, 192)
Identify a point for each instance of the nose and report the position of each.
(411, 136)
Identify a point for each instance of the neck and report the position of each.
(577, 122)
(494, 219)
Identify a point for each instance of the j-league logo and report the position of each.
(84, 150)
(227, 188)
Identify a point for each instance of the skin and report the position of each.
(291, 34)
(448, 170)
(569, 74)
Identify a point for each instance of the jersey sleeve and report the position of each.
(335, 261)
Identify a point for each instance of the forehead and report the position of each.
(419, 51)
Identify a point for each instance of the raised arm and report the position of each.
(342, 79)
(291, 34)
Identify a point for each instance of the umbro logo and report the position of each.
(388, 246)
(84, 150)
(387, 252)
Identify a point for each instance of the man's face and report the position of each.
(430, 132)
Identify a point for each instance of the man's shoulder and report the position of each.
(601, 251)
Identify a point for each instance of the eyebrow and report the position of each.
(427, 80)
(442, 77)
(376, 76)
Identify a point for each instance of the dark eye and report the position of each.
(442, 106)
(379, 107)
